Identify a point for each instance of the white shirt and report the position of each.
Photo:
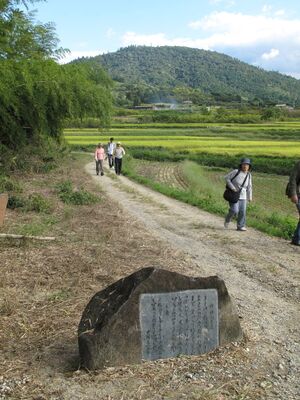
(119, 152)
(110, 148)
(236, 183)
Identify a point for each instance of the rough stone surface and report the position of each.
(3, 204)
(109, 332)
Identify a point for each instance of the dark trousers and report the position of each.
(118, 165)
(110, 160)
(99, 167)
(296, 237)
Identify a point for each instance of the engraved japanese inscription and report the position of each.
(185, 322)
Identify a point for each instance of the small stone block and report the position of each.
(3, 204)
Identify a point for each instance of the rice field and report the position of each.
(196, 141)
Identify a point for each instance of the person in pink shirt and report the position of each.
(99, 158)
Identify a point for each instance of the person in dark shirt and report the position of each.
(293, 192)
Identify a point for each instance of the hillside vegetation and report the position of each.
(147, 74)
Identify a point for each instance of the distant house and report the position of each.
(164, 106)
(285, 106)
(281, 105)
(143, 107)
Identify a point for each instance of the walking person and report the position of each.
(293, 192)
(111, 146)
(99, 158)
(118, 156)
(239, 181)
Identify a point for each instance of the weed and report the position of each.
(38, 225)
(9, 185)
(16, 202)
(112, 175)
(7, 307)
(75, 197)
(59, 295)
(35, 228)
(37, 202)
(81, 197)
(64, 187)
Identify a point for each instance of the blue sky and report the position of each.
(261, 33)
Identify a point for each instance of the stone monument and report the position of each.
(155, 313)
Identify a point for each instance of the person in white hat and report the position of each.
(119, 152)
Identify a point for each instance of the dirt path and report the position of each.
(261, 273)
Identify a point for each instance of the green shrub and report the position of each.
(75, 197)
(9, 185)
(64, 187)
(80, 197)
(16, 202)
(37, 202)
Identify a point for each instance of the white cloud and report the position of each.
(236, 29)
(294, 74)
(225, 29)
(272, 54)
(271, 42)
(77, 54)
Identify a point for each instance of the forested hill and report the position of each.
(213, 73)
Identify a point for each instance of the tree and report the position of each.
(89, 92)
(36, 93)
(21, 38)
(272, 113)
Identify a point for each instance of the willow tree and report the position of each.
(36, 93)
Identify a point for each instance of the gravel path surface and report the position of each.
(260, 272)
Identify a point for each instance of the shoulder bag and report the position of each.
(230, 195)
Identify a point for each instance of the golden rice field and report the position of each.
(193, 143)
